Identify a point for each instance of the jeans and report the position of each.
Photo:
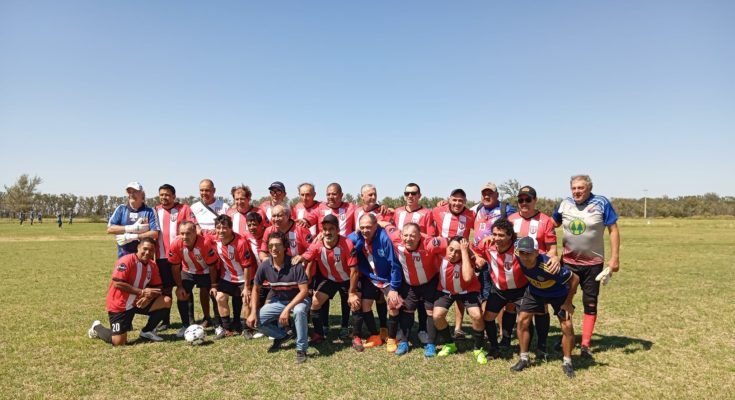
(268, 321)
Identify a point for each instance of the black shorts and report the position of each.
(122, 322)
(227, 287)
(445, 300)
(587, 274)
(202, 281)
(371, 292)
(536, 304)
(499, 298)
(167, 277)
(415, 294)
(330, 288)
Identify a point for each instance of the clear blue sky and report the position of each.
(638, 94)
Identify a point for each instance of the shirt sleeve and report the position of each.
(174, 253)
(557, 214)
(248, 260)
(396, 271)
(152, 220)
(351, 255)
(299, 274)
(564, 275)
(260, 275)
(311, 251)
(121, 271)
(116, 217)
(155, 276)
(210, 254)
(550, 233)
(609, 214)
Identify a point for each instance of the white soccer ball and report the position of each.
(195, 334)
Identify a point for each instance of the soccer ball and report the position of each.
(195, 334)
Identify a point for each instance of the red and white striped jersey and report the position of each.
(359, 212)
(168, 222)
(345, 214)
(422, 217)
(422, 264)
(236, 258)
(505, 270)
(239, 222)
(539, 227)
(194, 261)
(298, 237)
(451, 282)
(311, 214)
(335, 263)
(449, 225)
(131, 270)
(254, 244)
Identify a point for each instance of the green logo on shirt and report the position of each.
(577, 227)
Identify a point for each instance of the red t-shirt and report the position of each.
(195, 261)
(449, 225)
(335, 263)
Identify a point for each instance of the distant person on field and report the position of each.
(71, 218)
(59, 220)
(40, 218)
(22, 217)
(33, 216)
(132, 221)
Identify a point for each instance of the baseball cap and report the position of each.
(527, 245)
(330, 219)
(527, 190)
(458, 192)
(135, 186)
(277, 186)
(490, 186)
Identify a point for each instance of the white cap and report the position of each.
(135, 186)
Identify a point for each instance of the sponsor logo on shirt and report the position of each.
(577, 227)
(122, 267)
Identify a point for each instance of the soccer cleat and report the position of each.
(151, 336)
(447, 349)
(480, 356)
(402, 348)
(357, 344)
(345, 333)
(300, 357)
(316, 338)
(373, 341)
(493, 354)
(162, 327)
(91, 332)
(520, 365)
(586, 353)
(459, 334)
(391, 346)
(257, 335)
(207, 323)
(275, 346)
(180, 333)
(423, 337)
(384, 334)
(568, 370)
(430, 350)
(222, 333)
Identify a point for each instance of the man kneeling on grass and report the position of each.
(289, 290)
(135, 289)
(547, 285)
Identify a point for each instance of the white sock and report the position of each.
(568, 360)
(524, 356)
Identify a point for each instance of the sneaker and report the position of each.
(480, 356)
(300, 357)
(315, 338)
(541, 355)
(373, 341)
(275, 346)
(430, 350)
(586, 353)
(207, 323)
(357, 344)
(459, 334)
(402, 348)
(151, 336)
(568, 370)
(164, 326)
(520, 365)
(180, 333)
(493, 353)
(447, 349)
(391, 346)
(423, 337)
(383, 334)
(345, 333)
(218, 330)
(223, 333)
(257, 335)
(91, 332)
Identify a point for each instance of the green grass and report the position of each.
(665, 331)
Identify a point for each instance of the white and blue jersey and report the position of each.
(125, 215)
(584, 228)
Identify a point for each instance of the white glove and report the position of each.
(126, 238)
(137, 227)
(604, 276)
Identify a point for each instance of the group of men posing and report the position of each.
(274, 261)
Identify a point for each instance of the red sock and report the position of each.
(588, 325)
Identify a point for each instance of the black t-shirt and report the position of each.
(284, 284)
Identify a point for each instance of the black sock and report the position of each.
(509, 321)
(542, 330)
(103, 333)
(236, 311)
(316, 320)
(444, 335)
(215, 310)
(183, 307)
(382, 314)
(345, 309)
(190, 308)
(392, 326)
(357, 320)
(154, 317)
(421, 310)
(370, 322)
(167, 317)
(431, 329)
(478, 336)
(226, 322)
(324, 315)
(492, 333)
(406, 321)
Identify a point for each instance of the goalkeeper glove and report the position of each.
(126, 238)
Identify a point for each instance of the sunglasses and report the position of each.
(410, 194)
(522, 200)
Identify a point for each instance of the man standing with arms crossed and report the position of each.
(132, 221)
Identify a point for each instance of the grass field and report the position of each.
(665, 331)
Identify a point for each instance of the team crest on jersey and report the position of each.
(508, 265)
(482, 226)
(199, 258)
(532, 230)
(342, 216)
(577, 227)
(148, 274)
(133, 216)
(460, 226)
(122, 267)
(436, 242)
(230, 253)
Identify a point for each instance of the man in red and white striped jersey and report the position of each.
(529, 221)
(345, 212)
(194, 262)
(235, 275)
(277, 192)
(241, 207)
(135, 288)
(414, 212)
(335, 259)
(369, 197)
(306, 211)
(297, 236)
(170, 214)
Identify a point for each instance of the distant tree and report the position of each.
(349, 198)
(509, 189)
(19, 196)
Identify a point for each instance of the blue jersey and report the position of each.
(125, 215)
(381, 264)
(544, 284)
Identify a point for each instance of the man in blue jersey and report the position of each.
(584, 217)
(380, 276)
(547, 285)
(132, 221)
